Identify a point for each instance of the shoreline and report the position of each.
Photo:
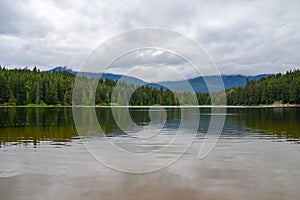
(156, 106)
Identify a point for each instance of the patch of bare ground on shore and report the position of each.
(280, 104)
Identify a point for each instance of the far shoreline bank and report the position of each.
(156, 106)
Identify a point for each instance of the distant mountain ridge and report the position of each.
(115, 77)
(198, 84)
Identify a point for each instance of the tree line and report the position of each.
(25, 87)
(278, 88)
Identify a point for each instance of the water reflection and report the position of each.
(279, 122)
(31, 125)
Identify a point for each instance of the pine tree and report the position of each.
(4, 91)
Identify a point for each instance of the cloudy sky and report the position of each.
(241, 37)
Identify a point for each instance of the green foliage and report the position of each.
(283, 88)
(4, 91)
(146, 95)
(26, 87)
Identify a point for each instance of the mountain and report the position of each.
(60, 69)
(195, 84)
(115, 77)
(199, 83)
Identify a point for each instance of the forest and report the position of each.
(278, 88)
(35, 87)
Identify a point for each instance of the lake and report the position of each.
(42, 156)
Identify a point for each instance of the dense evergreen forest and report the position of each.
(24, 86)
(28, 87)
(278, 88)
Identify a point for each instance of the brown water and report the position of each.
(256, 157)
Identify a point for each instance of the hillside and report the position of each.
(198, 84)
(279, 88)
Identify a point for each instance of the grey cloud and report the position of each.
(146, 56)
(242, 37)
(16, 20)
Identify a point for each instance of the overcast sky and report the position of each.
(241, 37)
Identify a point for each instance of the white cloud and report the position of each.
(242, 37)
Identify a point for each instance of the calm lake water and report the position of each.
(43, 157)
